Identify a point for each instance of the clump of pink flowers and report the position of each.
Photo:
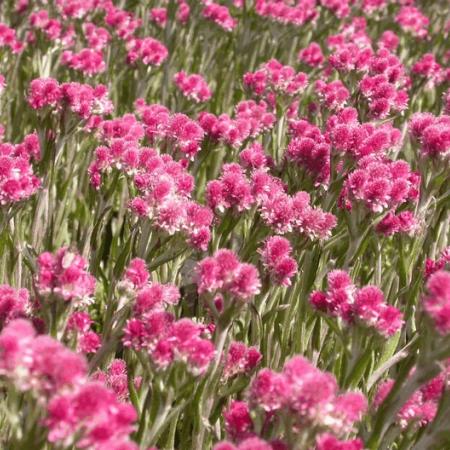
(193, 87)
(274, 77)
(64, 274)
(311, 396)
(437, 301)
(366, 306)
(223, 273)
(17, 179)
(82, 99)
(380, 184)
(277, 259)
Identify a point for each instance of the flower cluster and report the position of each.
(310, 395)
(82, 99)
(8, 38)
(219, 14)
(174, 131)
(64, 275)
(380, 184)
(193, 86)
(365, 306)
(437, 301)
(89, 62)
(421, 408)
(274, 77)
(17, 179)
(148, 50)
(154, 330)
(251, 119)
(433, 134)
(310, 149)
(240, 359)
(351, 137)
(412, 20)
(294, 13)
(276, 257)
(79, 325)
(432, 266)
(223, 273)
(384, 84)
(14, 303)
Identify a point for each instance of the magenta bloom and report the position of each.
(64, 274)
(437, 301)
(193, 86)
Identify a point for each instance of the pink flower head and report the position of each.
(240, 359)
(14, 303)
(44, 92)
(276, 256)
(159, 16)
(231, 190)
(220, 15)
(93, 414)
(238, 422)
(413, 21)
(333, 95)
(8, 38)
(89, 62)
(433, 133)
(253, 157)
(437, 301)
(366, 306)
(64, 274)
(17, 180)
(137, 273)
(327, 441)
(310, 149)
(432, 266)
(309, 395)
(148, 50)
(428, 68)
(312, 55)
(274, 77)
(224, 272)
(381, 184)
(193, 86)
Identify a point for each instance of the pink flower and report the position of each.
(44, 92)
(193, 86)
(89, 62)
(240, 359)
(276, 256)
(89, 342)
(380, 184)
(223, 272)
(366, 306)
(64, 275)
(14, 303)
(274, 77)
(231, 190)
(137, 273)
(312, 55)
(238, 422)
(310, 149)
(148, 50)
(220, 15)
(413, 21)
(327, 441)
(159, 16)
(91, 414)
(437, 301)
(432, 132)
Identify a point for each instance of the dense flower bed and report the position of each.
(224, 224)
